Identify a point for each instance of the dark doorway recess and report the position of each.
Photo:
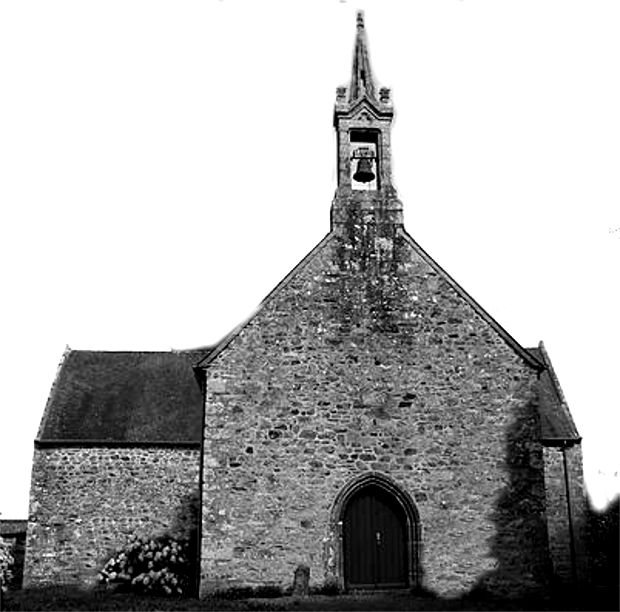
(375, 541)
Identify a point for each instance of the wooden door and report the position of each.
(375, 541)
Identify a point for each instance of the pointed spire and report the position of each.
(363, 116)
(361, 74)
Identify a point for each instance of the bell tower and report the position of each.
(363, 120)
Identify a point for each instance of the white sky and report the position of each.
(163, 165)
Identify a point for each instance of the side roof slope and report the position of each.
(557, 427)
(124, 397)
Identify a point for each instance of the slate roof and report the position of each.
(125, 397)
(556, 423)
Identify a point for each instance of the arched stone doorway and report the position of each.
(378, 535)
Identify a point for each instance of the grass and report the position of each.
(67, 598)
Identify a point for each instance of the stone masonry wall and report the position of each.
(371, 362)
(559, 526)
(85, 503)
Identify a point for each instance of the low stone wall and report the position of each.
(85, 503)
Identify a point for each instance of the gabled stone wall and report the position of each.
(85, 503)
(366, 360)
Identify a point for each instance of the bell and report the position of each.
(364, 173)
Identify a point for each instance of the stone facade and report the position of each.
(87, 502)
(345, 372)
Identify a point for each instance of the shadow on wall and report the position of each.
(520, 542)
(520, 545)
(185, 527)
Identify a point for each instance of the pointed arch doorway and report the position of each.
(379, 535)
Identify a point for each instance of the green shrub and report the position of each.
(160, 566)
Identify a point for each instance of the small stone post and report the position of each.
(301, 580)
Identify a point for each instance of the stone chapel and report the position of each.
(370, 421)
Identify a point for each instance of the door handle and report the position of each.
(378, 538)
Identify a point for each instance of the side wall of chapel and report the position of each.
(359, 366)
(85, 504)
(566, 514)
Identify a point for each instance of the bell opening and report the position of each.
(364, 158)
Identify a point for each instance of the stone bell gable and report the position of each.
(371, 421)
